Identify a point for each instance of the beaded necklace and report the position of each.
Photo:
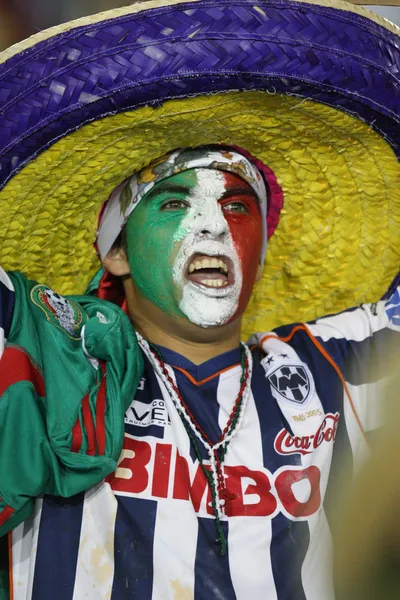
(214, 473)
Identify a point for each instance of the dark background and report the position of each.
(22, 18)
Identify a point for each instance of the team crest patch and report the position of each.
(292, 382)
(64, 314)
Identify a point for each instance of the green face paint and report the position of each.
(153, 239)
(187, 242)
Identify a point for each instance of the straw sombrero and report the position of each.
(311, 89)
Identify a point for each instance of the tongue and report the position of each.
(202, 274)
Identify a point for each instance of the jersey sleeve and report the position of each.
(364, 343)
(362, 339)
(352, 359)
(7, 302)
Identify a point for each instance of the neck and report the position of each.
(195, 343)
(195, 351)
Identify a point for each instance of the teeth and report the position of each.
(214, 263)
(208, 263)
(214, 283)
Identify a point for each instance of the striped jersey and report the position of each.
(148, 530)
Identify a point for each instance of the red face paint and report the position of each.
(242, 213)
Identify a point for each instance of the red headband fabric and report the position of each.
(275, 192)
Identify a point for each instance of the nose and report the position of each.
(213, 223)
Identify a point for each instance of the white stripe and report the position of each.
(316, 572)
(249, 537)
(4, 278)
(95, 564)
(367, 402)
(250, 558)
(24, 550)
(356, 325)
(3, 341)
(174, 551)
(175, 533)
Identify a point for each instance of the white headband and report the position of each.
(124, 199)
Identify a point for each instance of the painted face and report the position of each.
(194, 244)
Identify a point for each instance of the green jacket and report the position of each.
(61, 411)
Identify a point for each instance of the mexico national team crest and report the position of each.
(292, 382)
(64, 314)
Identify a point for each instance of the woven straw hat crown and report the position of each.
(311, 89)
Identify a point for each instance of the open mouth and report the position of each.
(210, 271)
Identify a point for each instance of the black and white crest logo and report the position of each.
(292, 382)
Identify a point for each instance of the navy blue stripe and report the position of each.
(144, 407)
(212, 577)
(290, 539)
(7, 303)
(133, 548)
(58, 546)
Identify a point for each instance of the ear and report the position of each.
(259, 272)
(116, 262)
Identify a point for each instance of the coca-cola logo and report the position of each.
(286, 443)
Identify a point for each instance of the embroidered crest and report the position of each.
(62, 313)
(292, 382)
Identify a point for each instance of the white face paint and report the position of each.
(205, 231)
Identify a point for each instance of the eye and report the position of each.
(237, 207)
(174, 205)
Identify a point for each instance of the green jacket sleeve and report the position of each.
(62, 404)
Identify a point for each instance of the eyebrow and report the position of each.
(182, 189)
(239, 191)
(168, 187)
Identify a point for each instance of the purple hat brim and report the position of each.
(329, 55)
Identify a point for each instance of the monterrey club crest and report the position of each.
(292, 382)
(64, 314)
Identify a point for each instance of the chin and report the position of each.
(205, 311)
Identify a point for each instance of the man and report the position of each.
(230, 453)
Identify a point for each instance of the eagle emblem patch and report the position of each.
(64, 314)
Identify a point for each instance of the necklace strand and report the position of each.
(220, 497)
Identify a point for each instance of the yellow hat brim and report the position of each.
(337, 243)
